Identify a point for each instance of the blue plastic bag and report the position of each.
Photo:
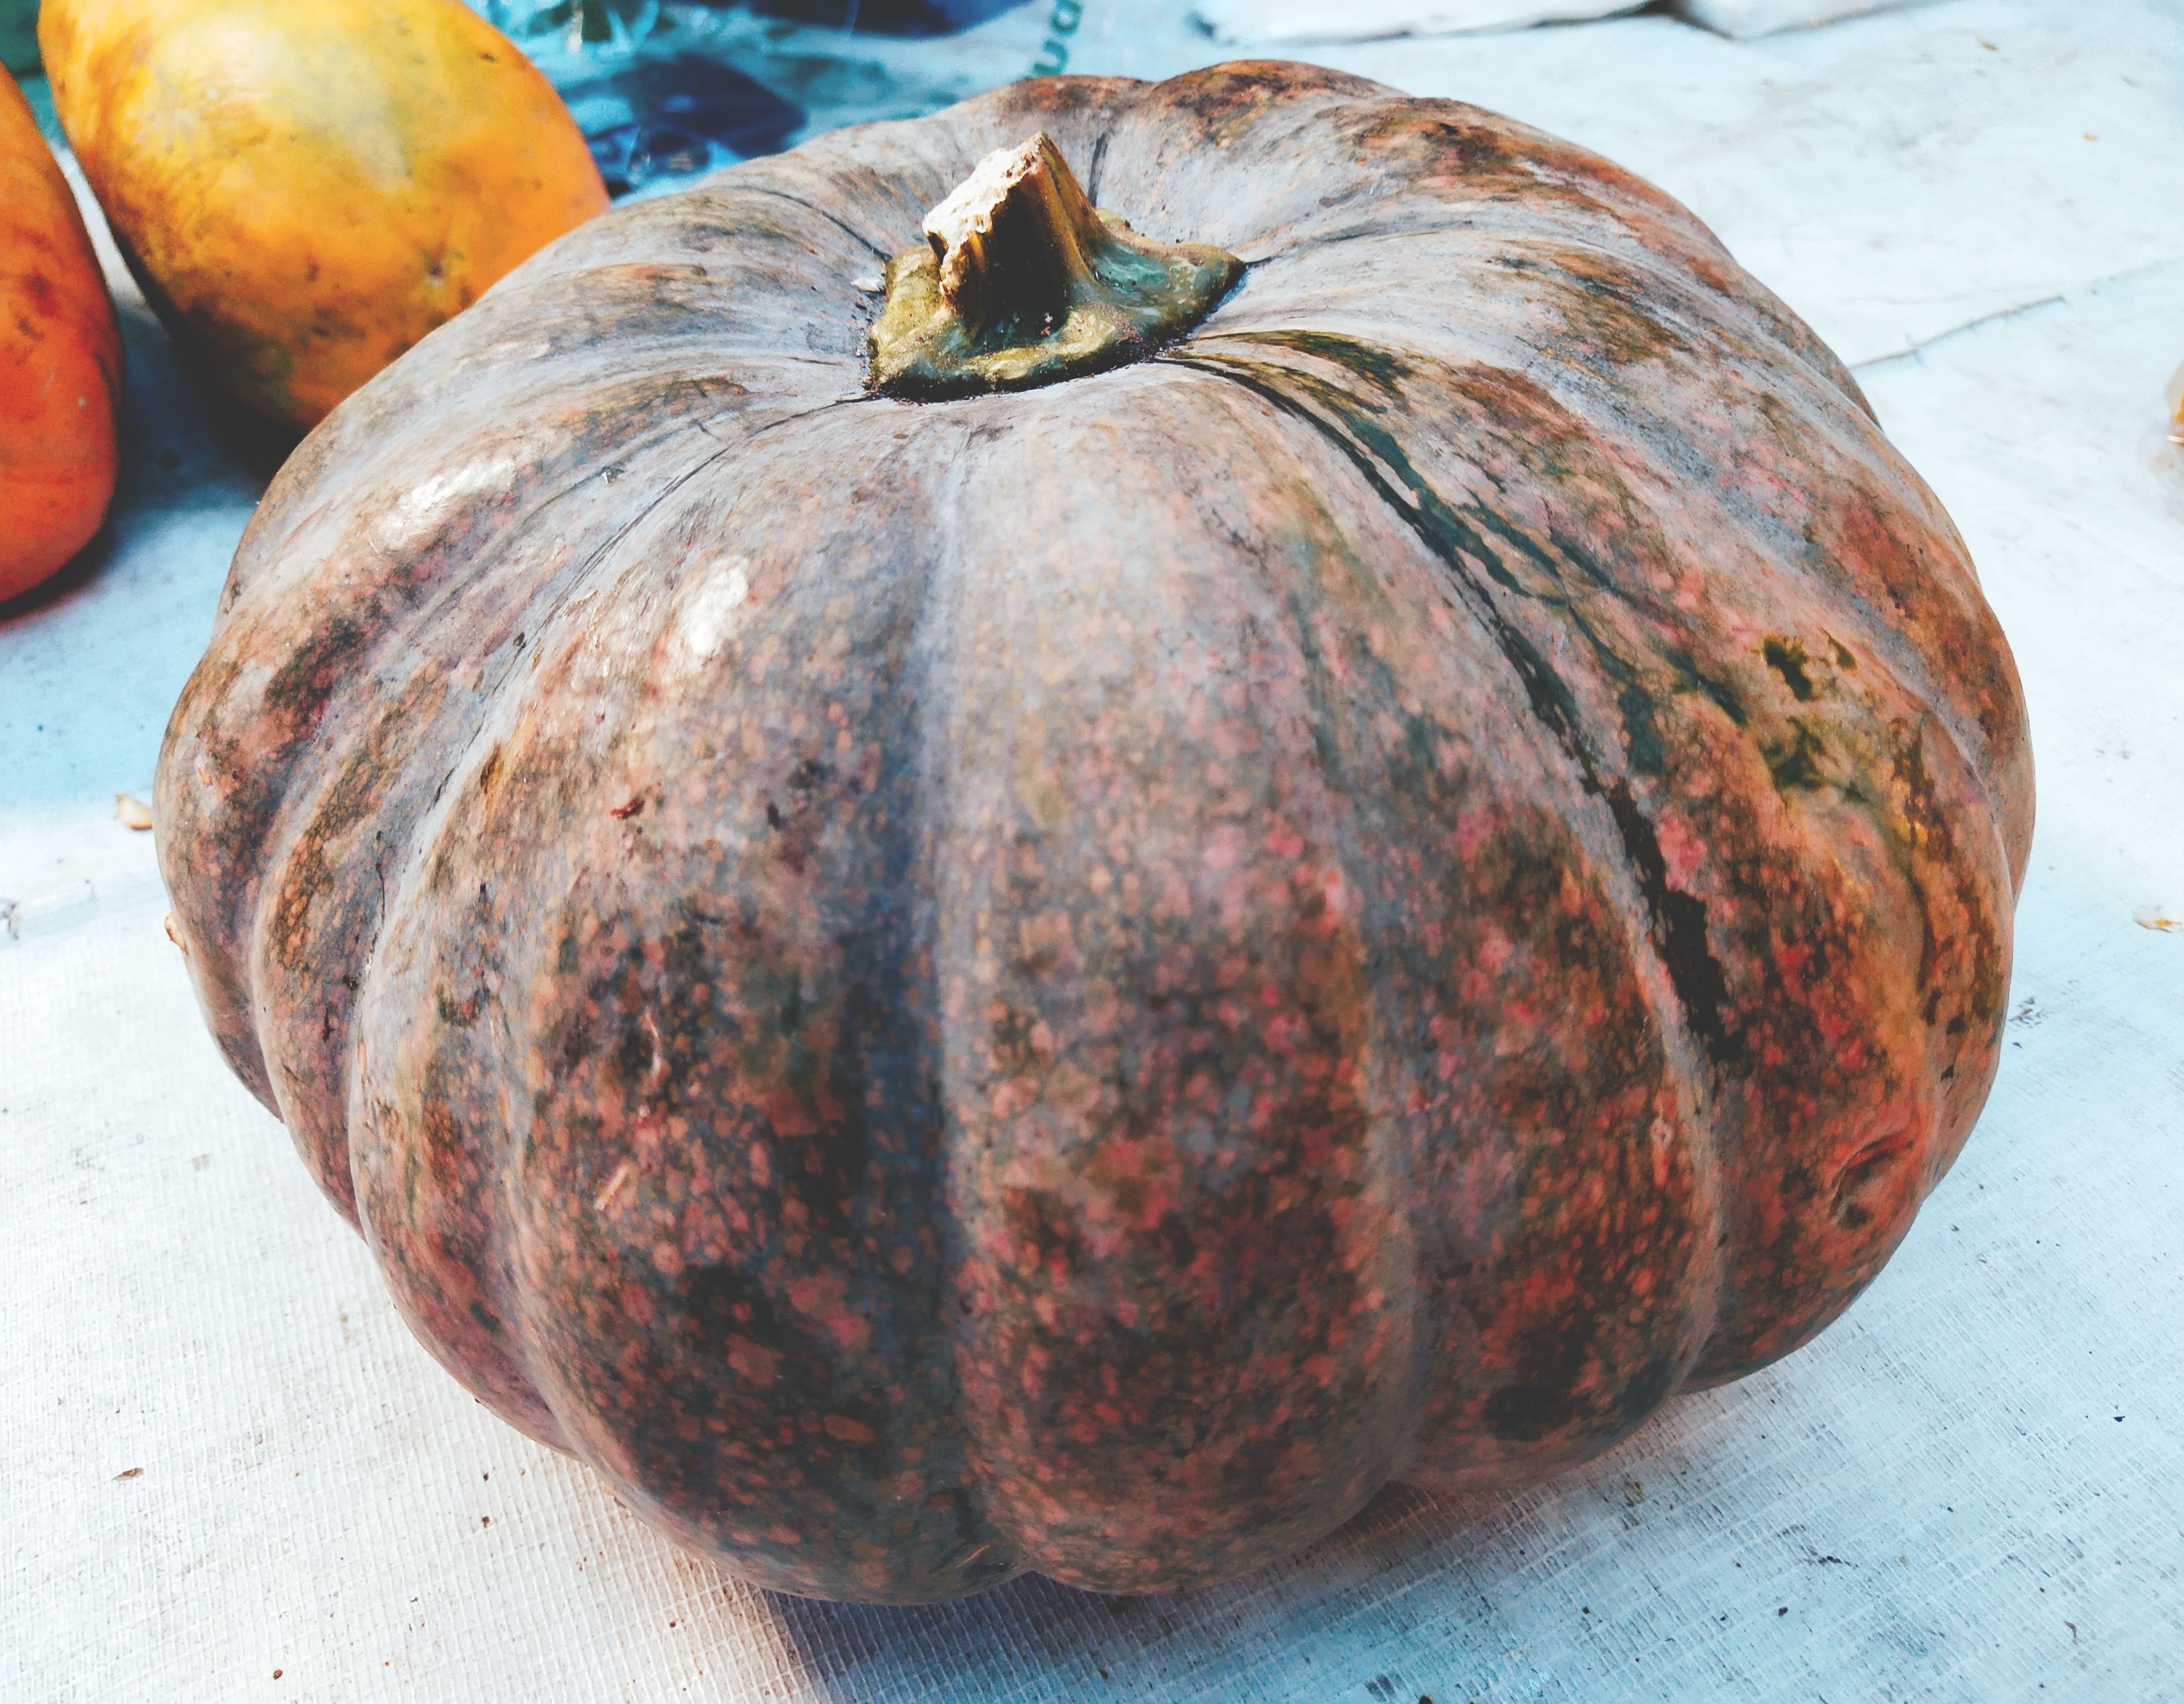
(668, 89)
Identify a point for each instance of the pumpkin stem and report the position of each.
(1023, 282)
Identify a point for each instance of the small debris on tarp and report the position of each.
(2154, 917)
(133, 811)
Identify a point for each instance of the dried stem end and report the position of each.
(1023, 282)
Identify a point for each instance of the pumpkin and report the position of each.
(304, 191)
(60, 362)
(1386, 835)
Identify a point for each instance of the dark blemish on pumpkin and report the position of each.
(1866, 1176)
(723, 1301)
(1922, 832)
(1680, 929)
(1786, 657)
(1043, 1228)
(486, 771)
(457, 1017)
(1641, 731)
(789, 1016)
(297, 693)
(1843, 657)
(1793, 763)
(1097, 164)
(1382, 367)
(1601, 313)
(1472, 149)
(1647, 1390)
(623, 812)
(1554, 1350)
(833, 1168)
(1009, 1035)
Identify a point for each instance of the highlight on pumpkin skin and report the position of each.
(306, 191)
(60, 362)
(1024, 283)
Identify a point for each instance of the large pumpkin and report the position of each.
(1075, 977)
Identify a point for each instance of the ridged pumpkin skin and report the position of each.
(304, 190)
(1075, 980)
(60, 362)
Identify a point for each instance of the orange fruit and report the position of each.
(61, 361)
(306, 190)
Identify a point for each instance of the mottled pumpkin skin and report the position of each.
(1075, 980)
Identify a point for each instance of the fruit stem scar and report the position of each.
(1022, 282)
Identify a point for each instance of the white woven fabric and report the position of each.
(1765, 17)
(1275, 22)
(1278, 21)
(1972, 1489)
